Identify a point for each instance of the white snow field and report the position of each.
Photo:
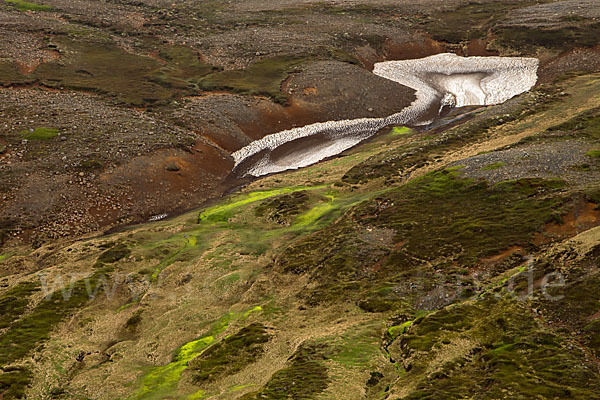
(439, 80)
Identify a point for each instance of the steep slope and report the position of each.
(422, 264)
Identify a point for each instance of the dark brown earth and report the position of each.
(141, 133)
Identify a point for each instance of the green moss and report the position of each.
(161, 382)
(509, 354)
(593, 153)
(14, 302)
(14, 381)
(222, 212)
(229, 356)
(40, 134)
(401, 131)
(262, 78)
(114, 254)
(397, 330)
(27, 6)
(105, 68)
(491, 167)
(304, 377)
(30, 331)
(283, 208)
(316, 212)
(586, 124)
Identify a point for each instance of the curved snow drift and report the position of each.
(439, 80)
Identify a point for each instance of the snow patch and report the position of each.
(439, 80)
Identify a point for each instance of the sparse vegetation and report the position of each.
(27, 6)
(262, 78)
(40, 134)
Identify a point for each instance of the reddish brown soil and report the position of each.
(27, 67)
(498, 258)
(584, 216)
(415, 49)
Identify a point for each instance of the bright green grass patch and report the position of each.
(222, 213)
(161, 382)
(200, 394)
(231, 355)
(27, 6)
(494, 166)
(397, 330)
(401, 130)
(316, 212)
(4, 256)
(40, 134)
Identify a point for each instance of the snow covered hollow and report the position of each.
(439, 80)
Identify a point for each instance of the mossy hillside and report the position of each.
(304, 377)
(101, 66)
(440, 216)
(163, 381)
(491, 342)
(585, 124)
(222, 212)
(14, 302)
(465, 220)
(262, 78)
(246, 235)
(494, 166)
(282, 209)
(33, 329)
(229, 356)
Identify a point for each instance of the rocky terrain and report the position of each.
(456, 260)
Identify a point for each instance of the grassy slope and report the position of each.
(291, 285)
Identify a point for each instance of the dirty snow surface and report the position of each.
(443, 80)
